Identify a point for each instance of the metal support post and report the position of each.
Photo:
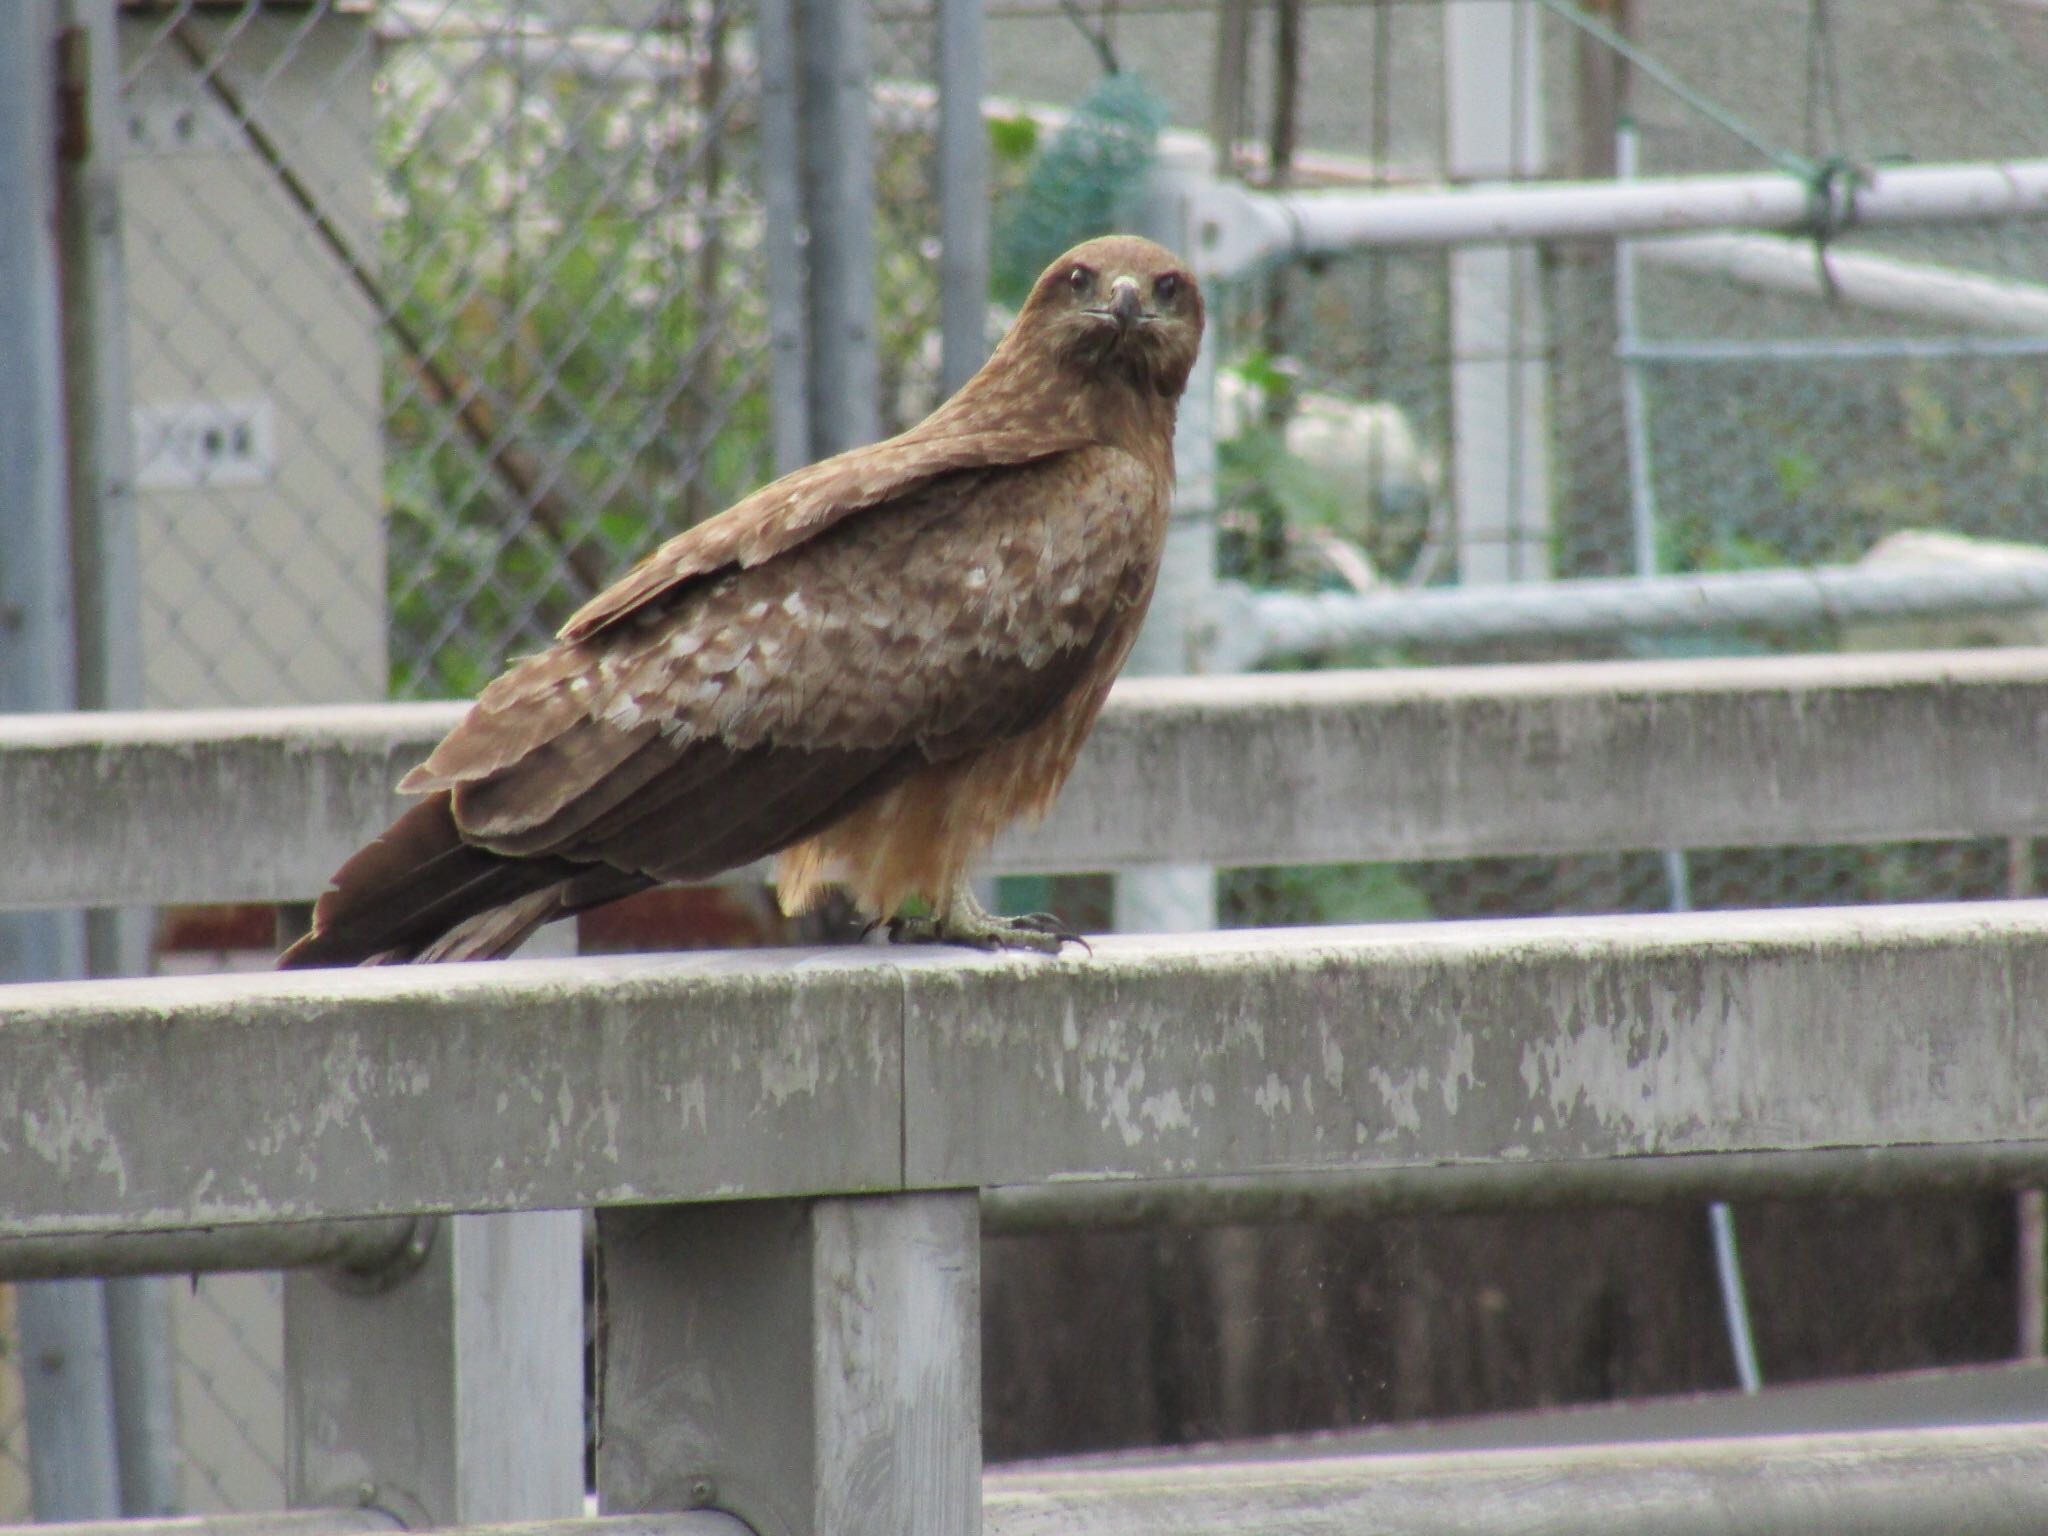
(1180, 898)
(1500, 473)
(63, 1325)
(963, 196)
(810, 1366)
(839, 203)
(142, 1373)
(73, 1474)
(782, 214)
(106, 588)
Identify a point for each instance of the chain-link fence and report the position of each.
(440, 313)
(14, 1484)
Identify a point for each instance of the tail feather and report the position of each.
(413, 887)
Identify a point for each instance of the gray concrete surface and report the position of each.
(1301, 768)
(1989, 1481)
(554, 1084)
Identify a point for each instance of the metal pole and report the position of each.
(1500, 474)
(74, 1473)
(63, 1326)
(1254, 628)
(1883, 284)
(1179, 898)
(1245, 228)
(963, 196)
(782, 209)
(106, 592)
(145, 1394)
(839, 201)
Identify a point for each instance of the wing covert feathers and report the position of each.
(802, 671)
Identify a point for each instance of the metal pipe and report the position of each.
(1884, 284)
(1328, 223)
(1178, 897)
(73, 1470)
(963, 195)
(73, 1473)
(293, 1522)
(1866, 349)
(364, 1248)
(37, 659)
(143, 1375)
(782, 215)
(1252, 628)
(1734, 1296)
(1244, 228)
(369, 1520)
(839, 204)
(1836, 1173)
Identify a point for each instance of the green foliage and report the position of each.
(561, 263)
(1013, 140)
(1338, 893)
(1080, 184)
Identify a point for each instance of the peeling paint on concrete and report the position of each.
(69, 1127)
(593, 1081)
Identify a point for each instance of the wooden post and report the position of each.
(455, 1397)
(810, 1366)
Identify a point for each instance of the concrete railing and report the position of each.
(792, 1155)
(784, 1074)
(1307, 768)
(784, 1149)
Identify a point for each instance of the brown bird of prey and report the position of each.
(869, 667)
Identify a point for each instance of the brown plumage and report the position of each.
(869, 667)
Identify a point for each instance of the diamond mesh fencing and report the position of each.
(1794, 403)
(441, 313)
(14, 1485)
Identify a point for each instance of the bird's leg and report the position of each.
(960, 919)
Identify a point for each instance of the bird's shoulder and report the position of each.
(787, 512)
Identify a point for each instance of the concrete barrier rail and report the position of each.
(1295, 769)
(559, 1084)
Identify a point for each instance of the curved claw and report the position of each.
(982, 931)
(1050, 923)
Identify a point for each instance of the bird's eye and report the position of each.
(1080, 279)
(1166, 287)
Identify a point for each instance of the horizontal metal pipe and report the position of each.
(294, 1522)
(1835, 1173)
(1332, 222)
(1874, 349)
(363, 1248)
(363, 1521)
(1260, 627)
(1987, 1480)
(1883, 284)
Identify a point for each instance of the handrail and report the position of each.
(535, 1085)
(253, 805)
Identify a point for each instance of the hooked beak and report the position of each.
(1126, 305)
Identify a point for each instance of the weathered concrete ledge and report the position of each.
(1283, 769)
(553, 1084)
(1987, 1480)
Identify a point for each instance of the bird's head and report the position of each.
(1119, 308)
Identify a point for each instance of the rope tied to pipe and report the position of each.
(1831, 186)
